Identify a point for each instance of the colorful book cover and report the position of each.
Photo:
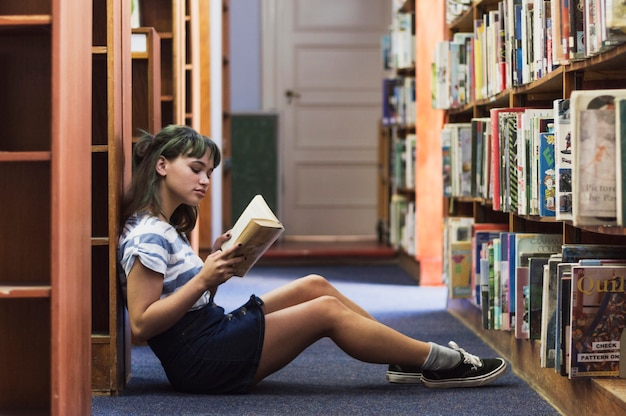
(490, 300)
(598, 318)
(496, 146)
(547, 175)
(494, 285)
(460, 269)
(573, 253)
(563, 159)
(505, 308)
(482, 233)
(446, 161)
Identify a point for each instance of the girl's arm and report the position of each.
(149, 315)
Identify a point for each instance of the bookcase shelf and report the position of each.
(44, 171)
(603, 70)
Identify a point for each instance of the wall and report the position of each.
(245, 56)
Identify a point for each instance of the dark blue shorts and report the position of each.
(209, 351)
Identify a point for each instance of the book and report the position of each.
(620, 161)
(498, 151)
(547, 175)
(521, 320)
(256, 229)
(562, 331)
(598, 318)
(482, 233)
(563, 159)
(460, 269)
(529, 243)
(549, 311)
(535, 290)
(593, 146)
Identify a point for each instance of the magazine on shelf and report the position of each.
(598, 318)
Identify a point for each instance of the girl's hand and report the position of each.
(219, 266)
(217, 245)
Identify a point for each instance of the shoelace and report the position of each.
(467, 357)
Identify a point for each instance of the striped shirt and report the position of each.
(159, 247)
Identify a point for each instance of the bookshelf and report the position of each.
(183, 27)
(600, 71)
(146, 64)
(396, 136)
(44, 171)
(111, 138)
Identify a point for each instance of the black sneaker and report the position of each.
(472, 371)
(403, 374)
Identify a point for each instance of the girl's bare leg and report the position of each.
(291, 329)
(305, 289)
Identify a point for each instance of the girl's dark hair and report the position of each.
(171, 142)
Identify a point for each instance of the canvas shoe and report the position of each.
(402, 374)
(472, 371)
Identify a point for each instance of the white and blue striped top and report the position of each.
(162, 249)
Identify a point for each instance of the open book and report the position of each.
(256, 229)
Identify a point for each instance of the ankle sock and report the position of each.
(441, 358)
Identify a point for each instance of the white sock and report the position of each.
(441, 358)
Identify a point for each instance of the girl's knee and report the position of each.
(317, 284)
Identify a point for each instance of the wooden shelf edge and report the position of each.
(25, 20)
(36, 156)
(580, 397)
(22, 291)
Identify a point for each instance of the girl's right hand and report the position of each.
(219, 266)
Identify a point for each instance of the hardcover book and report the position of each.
(593, 145)
(256, 230)
(598, 317)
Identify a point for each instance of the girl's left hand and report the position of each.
(217, 245)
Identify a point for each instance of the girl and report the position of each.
(170, 293)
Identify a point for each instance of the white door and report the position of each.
(324, 82)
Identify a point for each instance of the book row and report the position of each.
(570, 298)
(519, 42)
(402, 223)
(398, 101)
(566, 162)
(398, 45)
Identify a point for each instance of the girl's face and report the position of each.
(185, 180)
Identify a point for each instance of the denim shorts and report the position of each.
(208, 351)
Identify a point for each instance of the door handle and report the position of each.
(290, 94)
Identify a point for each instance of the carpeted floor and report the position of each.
(325, 381)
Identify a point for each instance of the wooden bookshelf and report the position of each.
(110, 159)
(146, 90)
(605, 70)
(44, 182)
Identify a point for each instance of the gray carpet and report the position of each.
(323, 380)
